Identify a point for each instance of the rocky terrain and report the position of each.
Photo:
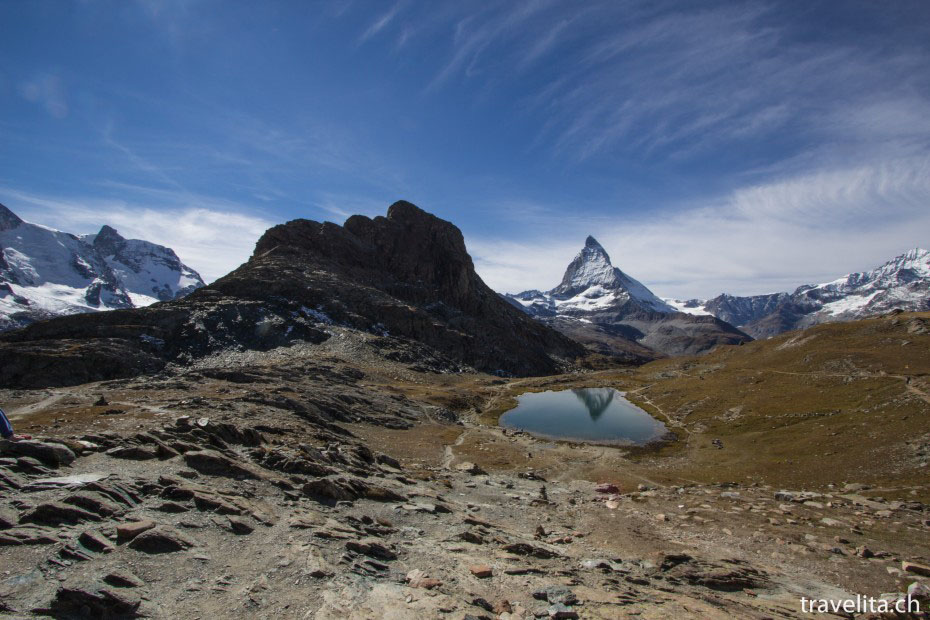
(325, 481)
(315, 436)
(903, 283)
(614, 314)
(46, 273)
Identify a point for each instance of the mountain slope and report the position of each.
(405, 280)
(901, 283)
(838, 401)
(613, 313)
(46, 273)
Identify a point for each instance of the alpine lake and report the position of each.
(594, 415)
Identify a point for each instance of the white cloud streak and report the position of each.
(379, 24)
(762, 238)
(211, 236)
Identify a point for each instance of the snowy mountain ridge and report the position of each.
(46, 273)
(901, 283)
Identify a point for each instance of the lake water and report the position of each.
(588, 414)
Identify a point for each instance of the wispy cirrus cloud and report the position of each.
(381, 22)
(662, 80)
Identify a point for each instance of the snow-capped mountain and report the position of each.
(147, 271)
(590, 283)
(46, 273)
(902, 283)
(596, 303)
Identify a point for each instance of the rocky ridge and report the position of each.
(903, 283)
(406, 278)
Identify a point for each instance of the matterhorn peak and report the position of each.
(590, 267)
(591, 275)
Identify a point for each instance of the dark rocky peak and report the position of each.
(108, 242)
(8, 219)
(406, 274)
(411, 253)
(422, 250)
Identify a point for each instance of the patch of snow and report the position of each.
(851, 303)
(140, 301)
(51, 298)
(593, 298)
(681, 305)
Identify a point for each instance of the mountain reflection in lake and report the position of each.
(587, 414)
(597, 400)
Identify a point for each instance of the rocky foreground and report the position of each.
(301, 484)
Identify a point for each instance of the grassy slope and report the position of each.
(837, 402)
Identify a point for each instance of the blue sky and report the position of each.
(745, 147)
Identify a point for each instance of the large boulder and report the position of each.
(161, 539)
(52, 454)
(95, 602)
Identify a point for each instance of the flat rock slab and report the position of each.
(27, 535)
(915, 568)
(95, 502)
(95, 541)
(77, 480)
(240, 526)
(123, 579)
(58, 513)
(481, 571)
(94, 602)
(371, 547)
(8, 518)
(213, 463)
(132, 453)
(531, 550)
(10, 480)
